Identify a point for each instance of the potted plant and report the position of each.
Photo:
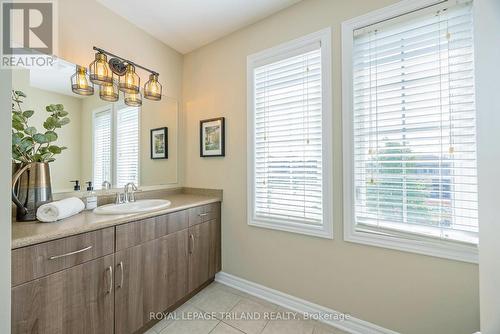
(31, 153)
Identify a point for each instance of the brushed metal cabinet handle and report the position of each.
(110, 285)
(120, 265)
(70, 253)
(203, 214)
(191, 244)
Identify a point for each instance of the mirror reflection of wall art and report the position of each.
(212, 137)
(159, 143)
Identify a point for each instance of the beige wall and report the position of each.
(409, 293)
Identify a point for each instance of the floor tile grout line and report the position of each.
(239, 330)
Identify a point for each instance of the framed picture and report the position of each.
(159, 143)
(212, 134)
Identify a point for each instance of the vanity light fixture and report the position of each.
(152, 88)
(133, 99)
(109, 93)
(103, 73)
(99, 70)
(80, 83)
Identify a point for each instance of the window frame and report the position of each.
(271, 55)
(398, 240)
(114, 108)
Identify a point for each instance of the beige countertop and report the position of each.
(30, 233)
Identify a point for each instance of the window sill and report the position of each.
(319, 231)
(436, 248)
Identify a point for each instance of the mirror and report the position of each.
(106, 141)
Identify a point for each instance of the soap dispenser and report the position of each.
(90, 198)
(77, 185)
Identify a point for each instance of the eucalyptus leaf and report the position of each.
(51, 136)
(28, 113)
(40, 138)
(59, 107)
(30, 131)
(62, 113)
(18, 118)
(64, 121)
(15, 140)
(55, 149)
(19, 135)
(26, 145)
(50, 108)
(18, 126)
(51, 123)
(19, 93)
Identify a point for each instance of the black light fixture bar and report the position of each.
(125, 60)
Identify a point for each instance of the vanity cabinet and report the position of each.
(204, 258)
(150, 277)
(111, 280)
(78, 300)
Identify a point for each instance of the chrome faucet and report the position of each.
(129, 194)
(106, 185)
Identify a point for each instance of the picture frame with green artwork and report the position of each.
(212, 137)
(159, 143)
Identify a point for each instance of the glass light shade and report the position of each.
(109, 93)
(99, 71)
(130, 81)
(152, 88)
(133, 99)
(80, 83)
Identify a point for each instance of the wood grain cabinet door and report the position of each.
(204, 252)
(149, 278)
(78, 300)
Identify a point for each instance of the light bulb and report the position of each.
(82, 80)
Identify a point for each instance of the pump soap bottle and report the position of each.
(90, 198)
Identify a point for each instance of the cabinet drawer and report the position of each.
(201, 214)
(29, 263)
(138, 232)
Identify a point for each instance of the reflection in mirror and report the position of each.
(106, 141)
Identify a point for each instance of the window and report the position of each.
(116, 146)
(102, 147)
(410, 166)
(289, 119)
(127, 146)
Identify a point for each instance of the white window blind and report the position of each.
(414, 133)
(127, 146)
(289, 132)
(102, 147)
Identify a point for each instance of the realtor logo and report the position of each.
(28, 33)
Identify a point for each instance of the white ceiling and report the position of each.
(188, 24)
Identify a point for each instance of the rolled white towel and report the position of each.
(58, 210)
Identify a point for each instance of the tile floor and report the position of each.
(219, 309)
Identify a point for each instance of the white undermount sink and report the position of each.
(146, 205)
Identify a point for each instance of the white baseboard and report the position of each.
(351, 325)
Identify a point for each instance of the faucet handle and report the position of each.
(119, 198)
(106, 185)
